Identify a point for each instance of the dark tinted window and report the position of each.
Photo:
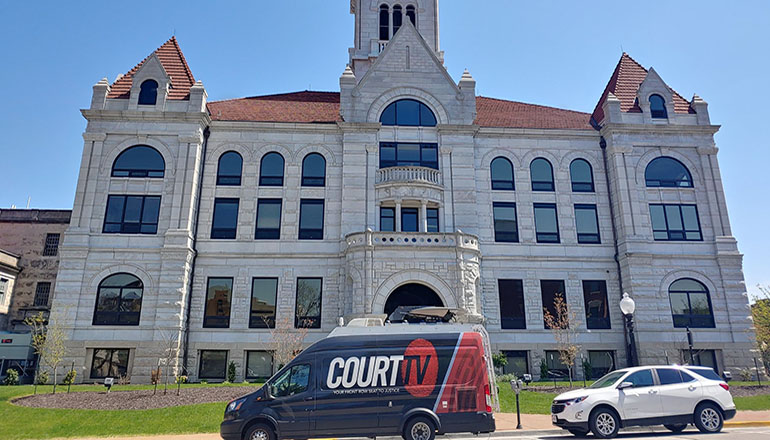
(708, 373)
(667, 172)
(412, 14)
(119, 300)
(556, 368)
(268, 219)
(311, 219)
(410, 218)
(502, 174)
(518, 363)
(432, 220)
(582, 176)
(271, 170)
(225, 222)
(541, 173)
(587, 224)
(263, 297)
(690, 304)
(398, 18)
(387, 219)
(259, 365)
(550, 290)
(139, 161)
(148, 92)
(42, 294)
(384, 23)
(314, 170)
(406, 154)
(229, 170)
(668, 376)
(658, 107)
(512, 315)
(687, 378)
(506, 229)
(597, 308)
(408, 112)
(213, 364)
(675, 223)
(293, 381)
(602, 362)
(641, 379)
(219, 294)
(546, 223)
(109, 362)
(51, 246)
(132, 215)
(308, 306)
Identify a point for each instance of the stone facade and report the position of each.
(9, 270)
(24, 232)
(360, 265)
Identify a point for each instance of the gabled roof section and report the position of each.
(324, 108)
(173, 61)
(624, 83)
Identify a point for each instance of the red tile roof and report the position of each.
(172, 59)
(324, 107)
(625, 82)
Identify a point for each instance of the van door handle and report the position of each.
(308, 398)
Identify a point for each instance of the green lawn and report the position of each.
(38, 423)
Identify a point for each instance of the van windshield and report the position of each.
(608, 379)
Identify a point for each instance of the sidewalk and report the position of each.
(505, 422)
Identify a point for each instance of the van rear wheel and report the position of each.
(260, 432)
(420, 428)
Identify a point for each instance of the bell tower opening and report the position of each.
(412, 295)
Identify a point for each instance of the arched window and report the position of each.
(502, 174)
(229, 170)
(314, 170)
(409, 113)
(582, 176)
(271, 170)
(667, 172)
(118, 300)
(148, 92)
(541, 173)
(398, 18)
(658, 107)
(139, 161)
(690, 304)
(384, 23)
(411, 13)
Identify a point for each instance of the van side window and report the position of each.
(641, 379)
(292, 381)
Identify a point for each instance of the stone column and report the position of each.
(424, 216)
(398, 215)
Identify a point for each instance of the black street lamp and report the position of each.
(627, 306)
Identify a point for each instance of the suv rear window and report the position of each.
(708, 373)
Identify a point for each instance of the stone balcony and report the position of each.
(422, 240)
(409, 174)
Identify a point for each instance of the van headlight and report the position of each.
(575, 401)
(235, 405)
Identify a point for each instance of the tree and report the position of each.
(760, 313)
(287, 341)
(170, 354)
(564, 326)
(499, 360)
(48, 340)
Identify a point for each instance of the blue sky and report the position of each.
(545, 52)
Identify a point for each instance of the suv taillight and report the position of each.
(725, 386)
(488, 397)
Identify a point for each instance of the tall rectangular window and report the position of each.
(408, 154)
(556, 368)
(602, 362)
(213, 364)
(311, 219)
(3, 288)
(587, 224)
(308, 307)
(550, 290)
(512, 314)
(264, 292)
(506, 228)
(387, 219)
(518, 362)
(109, 362)
(546, 223)
(42, 294)
(225, 222)
(51, 248)
(219, 294)
(132, 215)
(702, 358)
(268, 219)
(675, 222)
(259, 365)
(597, 307)
(410, 220)
(432, 214)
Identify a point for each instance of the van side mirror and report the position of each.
(625, 385)
(268, 392)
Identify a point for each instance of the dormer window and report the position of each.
(658, 107)
(398, 18)
(409, 113)
(148, 93)
(411, 13)
(384, 23)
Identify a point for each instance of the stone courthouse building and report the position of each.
(208, 223)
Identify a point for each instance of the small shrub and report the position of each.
(42, 377)
(11, 377)
(155, 376)
(507, 378)
(746, 374)
(123, 379)
(588, 370)
(181, 379)
(499, 360)
(543, 369)
(231, 372)
(204, 381)
(69, 378)
(246, 382)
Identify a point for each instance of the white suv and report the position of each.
(673, 396)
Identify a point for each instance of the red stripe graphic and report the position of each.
(464, 386)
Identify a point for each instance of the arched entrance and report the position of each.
(412, 294)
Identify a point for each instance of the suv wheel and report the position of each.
(420, 428)
(675, 428)
(260, 432)
(708, 418)
(604, 423)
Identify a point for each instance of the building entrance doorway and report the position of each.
(412, 295)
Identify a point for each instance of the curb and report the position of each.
(747, 424)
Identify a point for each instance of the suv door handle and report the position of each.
(653, 391)
(691, 388)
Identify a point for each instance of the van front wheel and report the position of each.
(420, 428)
(260, 432)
